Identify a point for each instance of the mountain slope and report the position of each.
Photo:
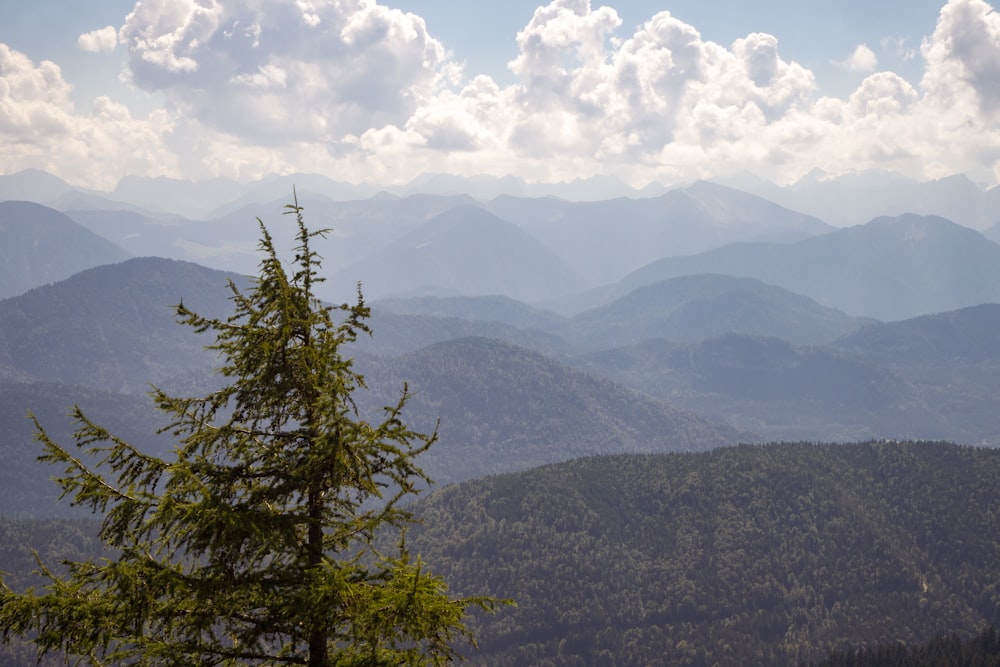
(32, 185)
(490, 308)
(741, 556)
(26, 487)
(889, 269)
(931, 377)
(605, 240)
(769, 387)
(463, 251)
(398, 333)
(39, 245)
(854, 197)
(112, 327)
(503, 408)
(968, 336)
(692, 308)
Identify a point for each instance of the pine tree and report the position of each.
(254, 543)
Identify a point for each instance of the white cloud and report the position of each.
(34, 101)
(963, 56)
(360, 91)
(331, 67)
(40, 128)
(863, 59)
(105, 39)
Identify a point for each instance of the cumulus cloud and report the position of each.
(34, 101)
(40, 128)
(963, 56)
(105, 39)
(362, 91)
(863, 59)
(325, 68)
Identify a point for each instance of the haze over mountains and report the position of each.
(889, 268)
(626, 288)
(547, 250)
(848, 199)
(540, 330)
(42, 246)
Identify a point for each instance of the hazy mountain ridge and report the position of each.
(691, 308)
(931, 377)
(504, 408)
(605, 240)
(465, 250)
(854, 198)
(113, 326)
(888, 269)
(877, 269)
(682, 309)
(493, 307)
(843, 200)
(39, 245)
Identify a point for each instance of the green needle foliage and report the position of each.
(254, 543)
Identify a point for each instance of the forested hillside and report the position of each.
(112, 326)
(752, 555)
(501, 408)
(26, 489)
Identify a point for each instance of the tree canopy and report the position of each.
(253, 542)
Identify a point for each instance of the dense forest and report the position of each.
(765, 555)
(779, 554)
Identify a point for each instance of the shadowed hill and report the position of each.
(930, 377)
(26, 489)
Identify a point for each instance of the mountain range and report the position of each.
(842, 200)
(853, 198)
(888, 269)
(589, 367)
(569, 255)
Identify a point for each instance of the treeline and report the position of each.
(983, 650)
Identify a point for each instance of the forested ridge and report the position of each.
(765, 555)
(757, 554)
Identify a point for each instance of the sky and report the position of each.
(647, 91)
